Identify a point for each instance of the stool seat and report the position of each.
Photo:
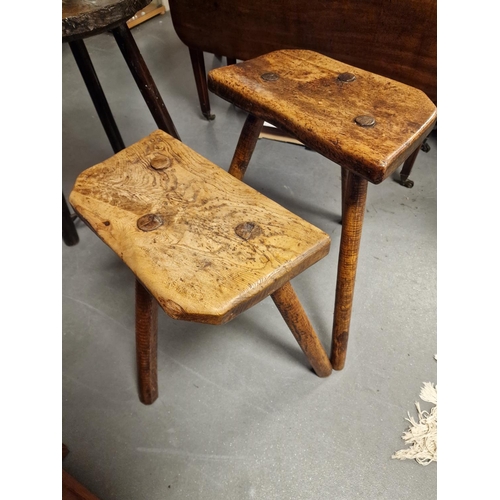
(205, 245)
(84, 18)
(366, 123)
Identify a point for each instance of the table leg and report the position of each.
(200, 78)
(353, 208)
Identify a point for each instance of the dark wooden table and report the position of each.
(86, 18)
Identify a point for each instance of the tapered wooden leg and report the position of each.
(245, 147)
(144, 80)
(200, 77)
(295, 317)
(94, 88)
(352, 223)
(146, 336)
(406, 170)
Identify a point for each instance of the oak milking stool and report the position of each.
(365, 123)
(202, 244)
(83, 19)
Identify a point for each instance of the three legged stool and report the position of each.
(83, 19)
(367, 124)
(202, 244)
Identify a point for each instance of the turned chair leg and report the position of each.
(245, 147)
(354, 202)
(144, 80)
(146, 335)
(295, 317)
(408, 165)
(94, 88)
(406, 170)
(200, 77)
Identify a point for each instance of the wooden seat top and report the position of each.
(364, 122)
(84, 18)
(204, 244)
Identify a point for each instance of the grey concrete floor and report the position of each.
(240, 415)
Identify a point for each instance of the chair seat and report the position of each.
(84, 18)
(364, 122)
(204, 244)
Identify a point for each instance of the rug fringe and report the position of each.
(422, 435)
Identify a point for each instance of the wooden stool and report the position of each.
(365, 123)
(83, 19)
(202, 244)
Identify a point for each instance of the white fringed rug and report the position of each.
(421, 436)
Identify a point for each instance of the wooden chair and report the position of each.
(397, 40)
(83, 19)
(202, 244)
(363, 122)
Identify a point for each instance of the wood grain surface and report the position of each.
(308, 100)
(204, 244)
(84, 18)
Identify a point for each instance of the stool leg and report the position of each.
(352, 223)
(144, 80)
(69, 232)
(94, 88)
(295, 317)
(200, 77)
(245, 147)
(146, 337)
